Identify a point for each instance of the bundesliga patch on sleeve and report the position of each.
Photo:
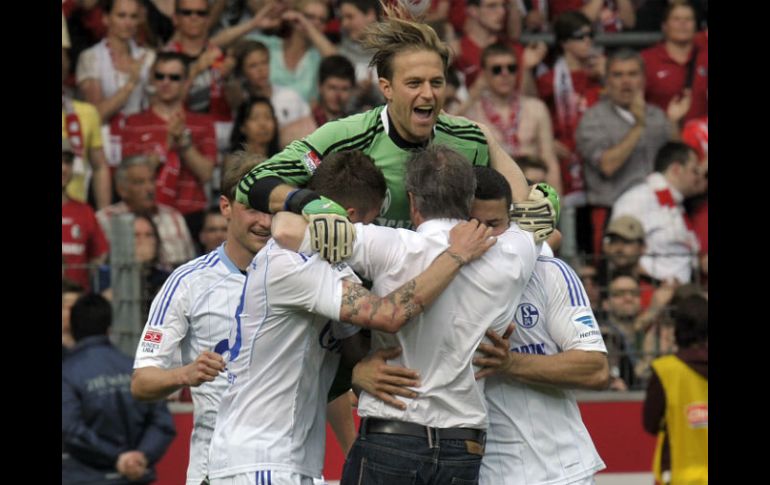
(586, 325)
(151, 341)
(311, 161)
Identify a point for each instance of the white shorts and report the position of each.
(264, 477)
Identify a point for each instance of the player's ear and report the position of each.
(224, 206)
(386, 88)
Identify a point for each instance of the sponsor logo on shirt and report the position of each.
(311, 161)
(698, 415)
(585, 319)
(538, 348)
(397, 224)
(589, 334)
(527, 315)
(75, 231)
(72, 248)
(342, 266)
(661, 74)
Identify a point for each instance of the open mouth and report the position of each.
(423, 113)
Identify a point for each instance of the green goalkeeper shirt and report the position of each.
(373, 133)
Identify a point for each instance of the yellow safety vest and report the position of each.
(685, 421)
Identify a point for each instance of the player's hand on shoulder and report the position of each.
(331, 232)
(470, 239)
(539, 214)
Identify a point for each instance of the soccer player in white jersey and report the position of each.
(192, 313)
(270, 426)
(536, 435)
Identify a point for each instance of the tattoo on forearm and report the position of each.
(360, 306)
(405, 297)
(351, 298)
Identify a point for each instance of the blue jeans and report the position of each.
(393, 459)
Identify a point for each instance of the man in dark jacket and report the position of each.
(107, 436)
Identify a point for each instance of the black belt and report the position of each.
(388, 426)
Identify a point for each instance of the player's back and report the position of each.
(280, 367)
(440, 342)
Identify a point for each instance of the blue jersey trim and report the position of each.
(575, 282)
(173, 284)
(167, 286)
(576, 294)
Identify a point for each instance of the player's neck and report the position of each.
(239, 255)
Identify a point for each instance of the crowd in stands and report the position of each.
(158, 94)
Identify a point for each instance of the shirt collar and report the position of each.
(227, 261)
(658, 182)
(434, 226)
(624, 113)
(392, 132)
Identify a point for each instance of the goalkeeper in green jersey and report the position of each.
(411, 62)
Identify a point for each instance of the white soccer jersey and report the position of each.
(282, 360)
(193, 312)
(536, 434)
(440, 342)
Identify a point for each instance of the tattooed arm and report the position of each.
(469, 240)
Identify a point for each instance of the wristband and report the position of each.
(298, 199)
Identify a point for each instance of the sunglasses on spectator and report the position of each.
(582, 35)
(160, 76)
(498, 69)
(187, 12)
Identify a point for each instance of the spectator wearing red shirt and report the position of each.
(486, 25)
(82, 240)
(678, 63)
(181, 143)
